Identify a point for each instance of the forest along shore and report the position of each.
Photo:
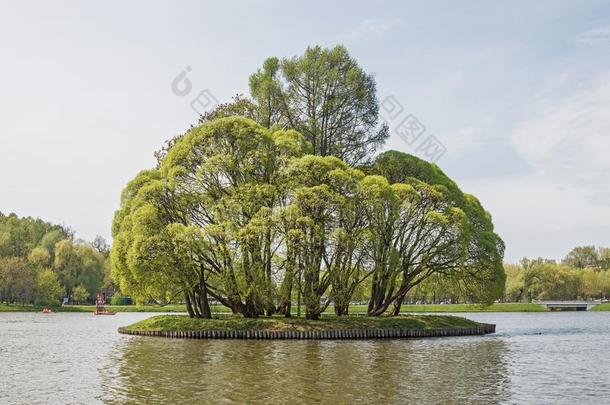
(355, 309)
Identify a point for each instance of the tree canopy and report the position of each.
(584, 273)
(323, 93)
(582, 257)
(245, 215)
(40, 262)
(277, 196)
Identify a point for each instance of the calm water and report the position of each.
(78, 358)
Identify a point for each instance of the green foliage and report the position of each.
(79, 265)
(471, 251)
(238, 106)
(80, 294)
(547, 280)
(201, 223)
(18, 236)
(48, 289)
(399, 167)
(17, 280)
(29, 246)
(120, 300)
(325, 95)
(240, 213)
(261, 205)
(354, 309)
(90, 274)
(66, 263)
(50, 240)
(582, 257)
(39, 258)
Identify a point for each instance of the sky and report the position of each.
(517, 94)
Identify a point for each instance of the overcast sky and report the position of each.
(518, 93)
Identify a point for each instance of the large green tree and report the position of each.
(211, 205)
(445, 231)
(240, 213)
(582, 257)
(17, 280)
(79, 264)
(48, 288)
(325, 95)
(326, 232)
(266, 200)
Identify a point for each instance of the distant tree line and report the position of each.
(41, 263)
(583, 274)
(588, 257)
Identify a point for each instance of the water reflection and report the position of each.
(156, 370)
(550, 358)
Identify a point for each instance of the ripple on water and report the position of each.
(78, 358)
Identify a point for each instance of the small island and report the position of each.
(346, 327)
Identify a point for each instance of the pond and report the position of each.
(75, 358)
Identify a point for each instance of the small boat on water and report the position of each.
(103, 311)
(46, 311)
(100, 309)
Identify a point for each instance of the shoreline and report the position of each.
(405, 326)
(359, 310)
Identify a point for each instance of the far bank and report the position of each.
(354, 309)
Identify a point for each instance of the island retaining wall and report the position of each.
(481, 329)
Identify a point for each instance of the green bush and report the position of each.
(48, 288)
(120, 300)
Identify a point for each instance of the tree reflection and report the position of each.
(158, 370)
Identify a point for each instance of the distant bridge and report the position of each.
(568, 305)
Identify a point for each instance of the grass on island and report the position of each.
(355, 309)
(184, 323)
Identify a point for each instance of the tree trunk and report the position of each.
(288, 309)
(299, 297)
(341, 309)
(269, 298)
(204, 304)
(286, 304)
(397, 304)
(189, 308)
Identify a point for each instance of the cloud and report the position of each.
(468, 139)
(372, 27)
(599, 35)
(568, 140)
(536, 217)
